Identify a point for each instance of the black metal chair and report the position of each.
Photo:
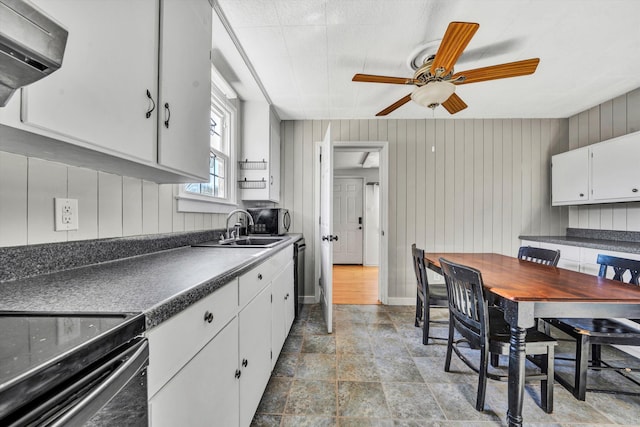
(483, 327)
(598, 332)
(539, 255)
(427, 295)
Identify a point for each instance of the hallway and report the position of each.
(355, 284)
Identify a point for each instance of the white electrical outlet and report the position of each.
(66, 214)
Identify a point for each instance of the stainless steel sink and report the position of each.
(245, 242)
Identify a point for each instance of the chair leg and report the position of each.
(596, 355)
(418, 310)
(547, 385)
(482, 379)
(425, 323)
(582, 363)
(495, 360)
(447, 360)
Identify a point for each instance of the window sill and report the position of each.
(195, 204)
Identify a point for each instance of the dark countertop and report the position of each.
(605, 244)
(159, 284)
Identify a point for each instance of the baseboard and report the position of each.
(401, 301)
(310, 299)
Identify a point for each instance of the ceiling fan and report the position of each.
(436, 80)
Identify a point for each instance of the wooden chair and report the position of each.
(539, 255)
(427, 295)
(596, 332)
(483, 327)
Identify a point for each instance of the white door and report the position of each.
(326, 232)
(347, 220)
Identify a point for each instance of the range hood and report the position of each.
(31, 46)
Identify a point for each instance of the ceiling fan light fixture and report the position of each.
(433, 93)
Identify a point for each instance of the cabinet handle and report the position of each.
(245, 362)
(581, 194)
(259, 276)
(286, 297)
(208, 317)
(153, 106)
(271, 180)
(238, 373)
(635, 190)
(167, 114)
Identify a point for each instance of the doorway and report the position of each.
(363, 281)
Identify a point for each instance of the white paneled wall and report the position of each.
(455, 185)
(109, 205)
(613, 118)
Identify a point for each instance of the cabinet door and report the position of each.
(185, 86)
(255, 353)
(615, 169)
(97, 99)
(278, 335)
(289, 298)
(205, 392)
(570, 177)
(274, 163)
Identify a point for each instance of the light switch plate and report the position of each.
(66, 214)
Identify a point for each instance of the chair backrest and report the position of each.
(539, 255)
(420, 269)
(468, 307)
(620, 266)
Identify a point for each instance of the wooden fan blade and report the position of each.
(502, 71)
(455, 40)
(454, 104)
(399, 103)
(371, 78)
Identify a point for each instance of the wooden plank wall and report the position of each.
(455, 185)
(610, 119)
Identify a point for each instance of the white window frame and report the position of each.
(193, 202)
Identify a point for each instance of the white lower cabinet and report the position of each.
(205, 391)
(255, 354)
(210, 364)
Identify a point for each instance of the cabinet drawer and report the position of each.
(255, 280)
(174, 342)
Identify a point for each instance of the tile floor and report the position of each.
(374, 371)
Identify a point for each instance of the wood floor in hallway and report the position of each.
(355, 284)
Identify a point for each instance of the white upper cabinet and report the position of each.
(570, 177)
(185, 86)
(615, 165)
(605, 172)
(105, 107)
(98, 98)
(260, 159)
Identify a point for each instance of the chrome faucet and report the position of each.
(236, 233)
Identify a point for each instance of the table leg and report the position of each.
(517, 359)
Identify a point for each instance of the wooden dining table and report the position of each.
(526, 290)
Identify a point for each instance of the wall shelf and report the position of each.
(252, 184)
(252, 165)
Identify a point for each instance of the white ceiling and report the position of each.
(305, 53)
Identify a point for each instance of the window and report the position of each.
(217, 195)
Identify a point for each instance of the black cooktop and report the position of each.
(39, 351)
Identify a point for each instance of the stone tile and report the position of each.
(293, 344)
(349, 344)
(348, 328)
(432, 371)
(621, 409)
(382, 330)
(376, 317)
(319, 344)
(458, 402)
(306, 421)
(286, 365)
(308, 397)
(316, 366)
(397, 370)
(435, 348)
(357, 368)
(315, 328)
(389, 348)
(366, 422)
(266, 420)
(275, 396)
(361, 399)
(298, 327)
(413, 401)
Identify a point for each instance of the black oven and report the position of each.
(73, 369)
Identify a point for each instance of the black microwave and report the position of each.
(274, 221)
